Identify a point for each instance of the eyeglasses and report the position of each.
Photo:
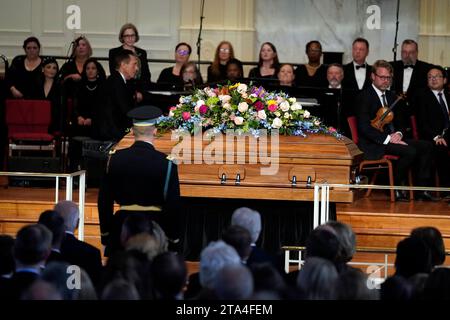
(435, 77)
(183, 52)
(129, 36)
(224, 50)
(384, 78)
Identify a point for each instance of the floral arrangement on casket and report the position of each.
(243, 108)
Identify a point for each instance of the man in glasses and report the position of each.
(433, 120)
(375, 143)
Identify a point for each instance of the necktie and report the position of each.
(444, 110)
(360, 66)
(406, 66)
(383, 97)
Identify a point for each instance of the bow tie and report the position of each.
(406, 66)
(360, 66)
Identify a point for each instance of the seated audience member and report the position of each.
(171, 75)
(7, 264)
(267, 278)
(390, 139)
(190, 76)
(433, 121)
(233, 282)
(235, 70)
(120, 289)
(217, 71)
(437, 285)
(55, 223)
(239, 238)
(169, 274)
(141, 82)
(433, 239)
(352, 285)
(49, 89)
(347, 244)
(317, 279)
(25, 71)
(396, 288)
(412, 256)
(41, 290)
(268, 63)
(314, 73)
(286, 75)
(31, 249)
(357, 73)
(73, 250)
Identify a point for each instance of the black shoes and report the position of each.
(425, 196)
(400, 195)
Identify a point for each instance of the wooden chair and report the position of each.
(377, 165)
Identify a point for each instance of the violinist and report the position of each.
(375, 143)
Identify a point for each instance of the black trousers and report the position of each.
(417, 155)
(442, 163)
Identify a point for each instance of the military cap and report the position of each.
(144, 115)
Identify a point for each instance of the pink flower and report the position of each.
(186, 115)
(172, 108)
(331, 129)
(259, 105)
(273, 108)
(203, 109)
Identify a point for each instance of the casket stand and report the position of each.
(211, 190)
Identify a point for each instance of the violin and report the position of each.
(385, 115)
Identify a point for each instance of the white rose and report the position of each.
(286, 115)
(306, 114)
(296, 106)
(277, 114)
(238, 121)
(181, 100)
(224, 98)
(171, 114)
(242, 88)
(277, 123)
(317, 122)
(199, 103)
(227, 106)
(242, 107)
(284, 106)
(292, 100)
(262, 115)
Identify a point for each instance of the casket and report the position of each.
(272, 168)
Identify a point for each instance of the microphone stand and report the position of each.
(199, 39)
(394, 49)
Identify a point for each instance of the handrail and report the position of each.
(69, 189)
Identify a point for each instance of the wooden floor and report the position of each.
(377, 222)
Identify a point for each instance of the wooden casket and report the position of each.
(243, 167)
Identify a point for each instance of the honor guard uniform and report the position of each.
(141, 180)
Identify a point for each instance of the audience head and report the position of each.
(352, 285)
(169, 272)
(7, 265)
(213, 258)
(360, 50)
(41, 290)
(433, 239)
(437, 78)
(317, 279)
(55, 223)
(314, 51)
(128, 34)
(235, 70)
(81, 48)
(127, 63)
(323, 243)
(120, 289)
(335, 75)
(286, 75)
(239, 238)
(32, 47)
(412, 256)
(382, 73)
(92, 70)
(249, 219)
(396, 288)
(133, 225)
(33, 245)
(189, 73)
(224, 52)
(50, 67)
(268, 52)
(70, 212)
(437, 286)
(182, 53)
(409, 52)
(267, 278)
(233, 282)
(347, 241)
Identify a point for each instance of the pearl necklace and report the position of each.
(91, 89)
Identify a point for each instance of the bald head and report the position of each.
(70, 212)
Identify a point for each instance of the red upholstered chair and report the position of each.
(28, 122)
(376, 165)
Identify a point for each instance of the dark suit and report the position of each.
(17, 285)
(84, 255)
(110, 121)
(143, 78)
(430, 123)
(371, 140)
(349, 81)
(137, 176)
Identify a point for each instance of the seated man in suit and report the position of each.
(389, 140)
(432, 109)
(410, 75)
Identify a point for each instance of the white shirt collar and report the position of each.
(123, 77)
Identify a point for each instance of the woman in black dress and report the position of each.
(49, 89)
(268, 64)
(171, 75)
(25, 71)
(312, 74)
(217, 71)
